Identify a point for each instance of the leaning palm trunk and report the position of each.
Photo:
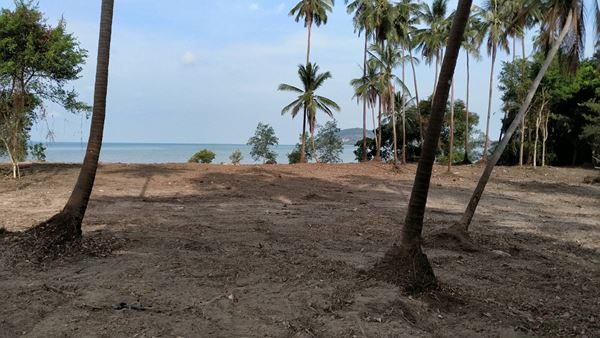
(489, 110)
(409, 265)
(472, 206)
(66, 225)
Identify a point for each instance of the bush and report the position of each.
(38, 151)
(236, 157)
(263, 140)
(203, 156)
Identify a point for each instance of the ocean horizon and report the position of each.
(148, 153)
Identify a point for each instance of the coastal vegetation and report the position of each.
(203, 156)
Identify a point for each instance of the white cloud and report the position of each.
(188, 59)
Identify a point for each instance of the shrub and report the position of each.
(38, 151)
(236, 157)
(203, 156)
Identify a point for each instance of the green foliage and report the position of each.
(36, 63)
(236, 157)
(328, 143)
(573, 119)
(203, 156)
(264, 138)
(38, 151)
(591, 131)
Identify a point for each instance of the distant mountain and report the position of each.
(353, 135)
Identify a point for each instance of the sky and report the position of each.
(188, 71)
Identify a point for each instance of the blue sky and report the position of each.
(188, 71)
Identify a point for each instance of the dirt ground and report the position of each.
(281, 251)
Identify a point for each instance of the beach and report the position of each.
(185, 250)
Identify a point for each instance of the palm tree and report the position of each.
(66, 225)
(471, 44)
(494, 22)
(307, 99)
(361, 9)
(432, 38)
(311, 11)
(366, 88)
(562, 18)
(386, 59)
(410, 266)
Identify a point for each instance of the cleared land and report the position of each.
(275, 251)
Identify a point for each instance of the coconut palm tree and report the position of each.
(472, 42)
(311, 11)
(561, 18)
(366, 88)
(410, 266)
(433, 37)
(361, 9)
(66, 225)
(386, 59)
(494, 19)
(307, 99)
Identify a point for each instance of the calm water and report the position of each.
(62, 152)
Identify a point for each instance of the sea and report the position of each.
(73, 152)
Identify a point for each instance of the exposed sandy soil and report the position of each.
(279, 251)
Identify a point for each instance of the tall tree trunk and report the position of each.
(364, 140)
(403, 109)
(472, 206)
(451, 143)
(435, 81)
(538, 120)
(406, 256)
(309, 28)
(66, 225)
(419, 116)
(522, 142)
(378, 152)
(467, 129)
(489, 110)
(545, 139)
(312, 138)
(303, 142)
(392, 108)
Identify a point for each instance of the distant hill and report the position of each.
(352, 135)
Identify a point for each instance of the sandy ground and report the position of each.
(279, 251)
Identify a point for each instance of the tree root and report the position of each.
(453, 238)
(406, 267)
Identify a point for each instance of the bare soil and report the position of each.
(281, 251)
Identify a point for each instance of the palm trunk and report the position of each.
(309, 28)
(66, 225)
(303, 142)
(522, 141)
(545, 139)
(378, 152)
(312, 138)
(467, 129)
(537, 133)
(407, 255)
(392, 107)
(470, 211)
(489, 111)
(403, 110)
(451, 143)
(364, 140)
(412, 62)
